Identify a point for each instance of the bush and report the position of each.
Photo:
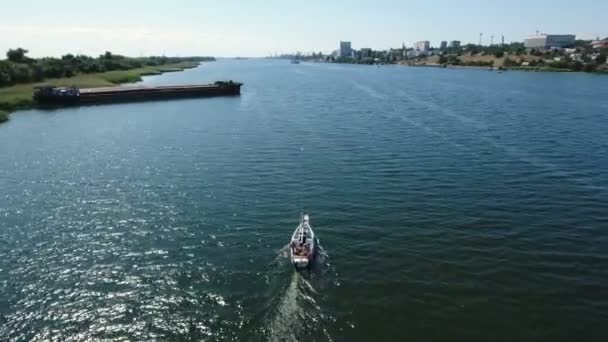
(17, 55)
(21, 73)
(602, 68)
(591, 67)
(3, 116)
(510, 63)
(576, 66)
(480, 64)
(5, 73)
(454, 60)
(565, 63)
(535, 52)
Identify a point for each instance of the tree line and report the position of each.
(19, 68)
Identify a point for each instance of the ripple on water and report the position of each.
(451, 204)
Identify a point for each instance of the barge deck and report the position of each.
(48, 95)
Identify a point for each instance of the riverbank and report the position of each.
(523, 62)
(447, 66)
(514, 68)
(543, 69)
(20, 96)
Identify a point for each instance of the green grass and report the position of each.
(16, 97)
(20, 96)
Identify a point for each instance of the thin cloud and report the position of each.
(44, 40)
(98, 39)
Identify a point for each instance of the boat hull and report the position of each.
(134, 94)
(303, 245)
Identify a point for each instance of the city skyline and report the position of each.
(256, 28)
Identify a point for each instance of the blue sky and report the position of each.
(261, 27)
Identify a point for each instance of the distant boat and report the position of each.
(295, 61)
(303, 244)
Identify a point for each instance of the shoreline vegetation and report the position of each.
(492, 67)
(19, 74)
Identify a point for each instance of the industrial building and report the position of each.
(549, 41)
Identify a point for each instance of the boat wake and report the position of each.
(295, 313)
(292, 313)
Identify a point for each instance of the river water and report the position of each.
(456, 205)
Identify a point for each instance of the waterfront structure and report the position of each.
(455, 44)
(422, 47)
(366, 52)
(345, 49)
(444, 45)
(548, 41)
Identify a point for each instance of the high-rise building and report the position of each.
(345, 49)
(455, 44)
(422, 47)
(443, 45)
(547, 41)
(366, 52)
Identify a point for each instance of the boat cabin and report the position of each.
(302, 241)
(53, 94)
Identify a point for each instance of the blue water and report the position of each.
(456, 205)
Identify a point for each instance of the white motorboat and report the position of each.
(303, 244)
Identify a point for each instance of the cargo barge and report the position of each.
(63, 96)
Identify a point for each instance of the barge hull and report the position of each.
(133, 94)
